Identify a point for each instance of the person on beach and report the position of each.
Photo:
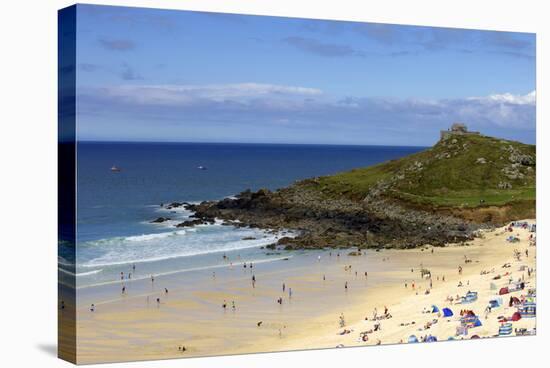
(460, 270)
(134, 267)
(342, 321)
(244, 265)
(233, 305)
(224, 305)
(122, 275)
(253, 281)
(158, 302)
(251, 265)
(165, 291)
(284, 286)
(289, 293)
(324, 278)
(366, 274)
(152, 278)
(129, 275)
(92, 308)
(346, 286)
(123, 289)
(318, 258)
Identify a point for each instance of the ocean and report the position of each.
(115, 236)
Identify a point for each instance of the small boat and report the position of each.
(115, 169)
(202, 168)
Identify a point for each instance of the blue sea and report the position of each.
(115, 236)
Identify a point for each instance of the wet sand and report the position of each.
(134, 326)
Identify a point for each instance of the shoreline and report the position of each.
(127, 328)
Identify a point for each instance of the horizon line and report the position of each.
(249, 143)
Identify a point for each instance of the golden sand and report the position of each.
(136, 328)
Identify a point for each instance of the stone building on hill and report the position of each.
(456, 129)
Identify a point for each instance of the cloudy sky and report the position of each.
(158, 75)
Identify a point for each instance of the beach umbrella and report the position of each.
(431, 339)
(516, 316)
(435, 309)
(447, 312)
(474, 337)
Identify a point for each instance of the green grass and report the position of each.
(456, 181)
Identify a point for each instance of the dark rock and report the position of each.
(190, 223)
(159, 220)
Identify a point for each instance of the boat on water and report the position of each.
(115, 169)
(202, 168)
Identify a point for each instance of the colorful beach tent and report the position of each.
(528, 310)
(477, 322)
(447, 312)
(495, 303)
(431, 339)
(503, 291)
(470, 297)
(505, 329)
(413, 339)
(435, 309)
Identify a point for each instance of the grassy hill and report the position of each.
(462, 171)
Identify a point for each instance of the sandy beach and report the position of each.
(317, 310)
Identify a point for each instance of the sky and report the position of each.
(166, 75)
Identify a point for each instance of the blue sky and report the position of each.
(160, 75)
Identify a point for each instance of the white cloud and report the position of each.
(508, 98)
(270, 106)
(182, 95)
